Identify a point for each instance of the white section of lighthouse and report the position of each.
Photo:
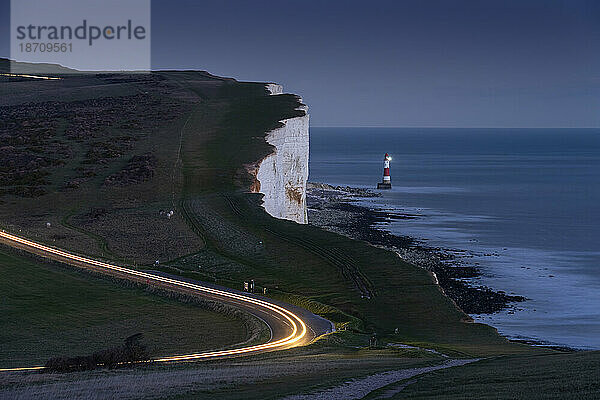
(387, 182)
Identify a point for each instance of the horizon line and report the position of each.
(455, 127)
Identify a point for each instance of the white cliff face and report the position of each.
(282, 175)
(274, 88)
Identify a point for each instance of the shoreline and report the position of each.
(334, 208)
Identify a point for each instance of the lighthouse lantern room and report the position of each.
(387, 182)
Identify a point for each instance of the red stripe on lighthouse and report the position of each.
(386, 168)
(386, 183)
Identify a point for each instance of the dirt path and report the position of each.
(359, 388)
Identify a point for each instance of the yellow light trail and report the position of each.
(298, 325)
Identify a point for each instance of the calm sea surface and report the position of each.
(526, 202)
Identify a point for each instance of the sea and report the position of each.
(524, 204)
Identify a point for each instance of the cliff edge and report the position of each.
(282, 175)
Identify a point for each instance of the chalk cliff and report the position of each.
(282, 175)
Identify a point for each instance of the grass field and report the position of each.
(48, 311)
(556, 376)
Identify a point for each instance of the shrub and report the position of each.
(132, 351)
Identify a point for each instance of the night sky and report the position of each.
(445, 63)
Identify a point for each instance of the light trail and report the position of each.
(297, 324)
(31, 76)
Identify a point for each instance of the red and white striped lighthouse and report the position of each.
(387, 182)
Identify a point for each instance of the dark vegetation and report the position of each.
(37, 138)
(132, 351)
(95, 142)
(138, 169)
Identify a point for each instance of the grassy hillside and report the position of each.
(52, 311)
(556, 376)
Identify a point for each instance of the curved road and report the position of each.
(290, 326)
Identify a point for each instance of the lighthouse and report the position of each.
(387, 182)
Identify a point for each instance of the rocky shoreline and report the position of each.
(334, 208)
